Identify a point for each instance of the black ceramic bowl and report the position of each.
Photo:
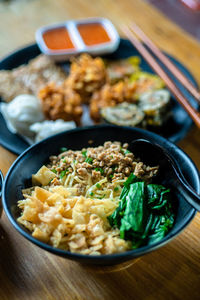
(19, 177)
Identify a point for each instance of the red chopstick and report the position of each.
(158, 69)
(166, 61)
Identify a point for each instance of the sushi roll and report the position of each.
(156, 106)
(146, 82)
(124, 114)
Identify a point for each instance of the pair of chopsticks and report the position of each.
(136, 35)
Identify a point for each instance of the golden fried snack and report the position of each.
(146, 82)
(111, 95)
(122, 68)
(86, 75)
(59, 102)
(29, 78)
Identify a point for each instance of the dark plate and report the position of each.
(174, 130)
(28, 163)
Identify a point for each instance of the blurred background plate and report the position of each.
(175, 129)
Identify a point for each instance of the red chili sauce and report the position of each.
(58, 39)
(93, 33)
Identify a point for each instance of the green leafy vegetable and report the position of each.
(115, 218)
(98, 185)
(131, 179)
(158, 196)
(54, 171)
(134, 213)
(145, 213)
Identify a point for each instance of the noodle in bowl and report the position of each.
(78, 191)
(18, 183)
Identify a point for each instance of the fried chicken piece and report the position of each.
(59, 102)
(122, 68)
(111, 95)
(86, 75)
(29, 78)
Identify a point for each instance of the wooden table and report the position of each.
(181, 14)
(27, 272)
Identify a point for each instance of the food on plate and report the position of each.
(124, 114)
(156, 106)
(122, 68)
(24, 115)
(95, 90)
(29, 78)
(146, 82)
(60, 102)
(98, 200)
(21, 113)
(151, 109)
(131, 90)
(86, 76)
(145, 213)
(111, 95)
(47, 128)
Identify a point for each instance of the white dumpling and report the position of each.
(48, 128)
(21, 112)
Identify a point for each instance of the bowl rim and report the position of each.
(104, 257)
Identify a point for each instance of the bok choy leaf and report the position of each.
(145, 213)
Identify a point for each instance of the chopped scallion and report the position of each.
(89, 160)
(63, 173)
(124, 151)
(127, 151)
(101, 197)
(63, 149)
(84, 153)
(99, 170)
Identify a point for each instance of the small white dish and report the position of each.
(73, 35)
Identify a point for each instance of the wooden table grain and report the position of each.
(27, 272)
